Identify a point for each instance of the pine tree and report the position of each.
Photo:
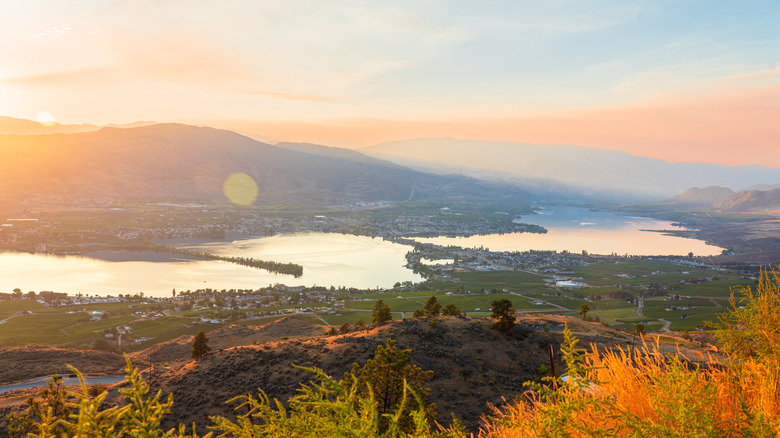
(381, 312)
(200, 346)
(584, 309)
(502, 309)
(431, 307)
(387, 373)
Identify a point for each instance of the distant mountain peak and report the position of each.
(696, 197)
(751, 201)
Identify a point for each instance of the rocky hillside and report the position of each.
(18, 364)
(473, 365)
(232, 335)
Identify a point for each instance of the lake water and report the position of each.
(576, 229)
(327, 259)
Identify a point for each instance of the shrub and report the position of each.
(644, 393)
(451, 310)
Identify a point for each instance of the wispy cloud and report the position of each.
(284, 95)
(56, 31)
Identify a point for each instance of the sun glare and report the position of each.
(45, 118)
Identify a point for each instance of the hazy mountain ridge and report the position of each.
(588, 171)
(172, 161)
(14, 126)
(752, 200)
(696, 197)
(724, 199)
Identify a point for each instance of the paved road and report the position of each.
(43, 381)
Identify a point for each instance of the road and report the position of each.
(541, 300)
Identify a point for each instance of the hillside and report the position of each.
(473, 365)
(180, 162)
(230, 336)
(750, 201)
(18, 364)
(696, 197)
(726, 200)
(584, 171)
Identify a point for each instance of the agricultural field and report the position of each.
(672, 297)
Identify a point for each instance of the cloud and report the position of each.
(56, 31)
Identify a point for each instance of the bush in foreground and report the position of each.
(324, 408)
(643, 393)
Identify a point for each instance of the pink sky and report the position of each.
(733, 129)
(680, 81)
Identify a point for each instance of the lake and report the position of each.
(576, 229)
(327, 259)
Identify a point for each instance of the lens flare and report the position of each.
(240, 189)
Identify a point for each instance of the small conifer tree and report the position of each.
(389, 373)
(503, 310)
(200, 346)
(432, 307)
(381, 312)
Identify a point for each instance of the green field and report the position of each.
(8, 308)
(28, 322)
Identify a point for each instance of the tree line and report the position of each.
(293, 269)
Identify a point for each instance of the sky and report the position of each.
(680, 80)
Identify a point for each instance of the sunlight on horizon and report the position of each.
(45, 118)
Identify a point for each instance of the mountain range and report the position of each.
(181, 162)
(585, 172)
